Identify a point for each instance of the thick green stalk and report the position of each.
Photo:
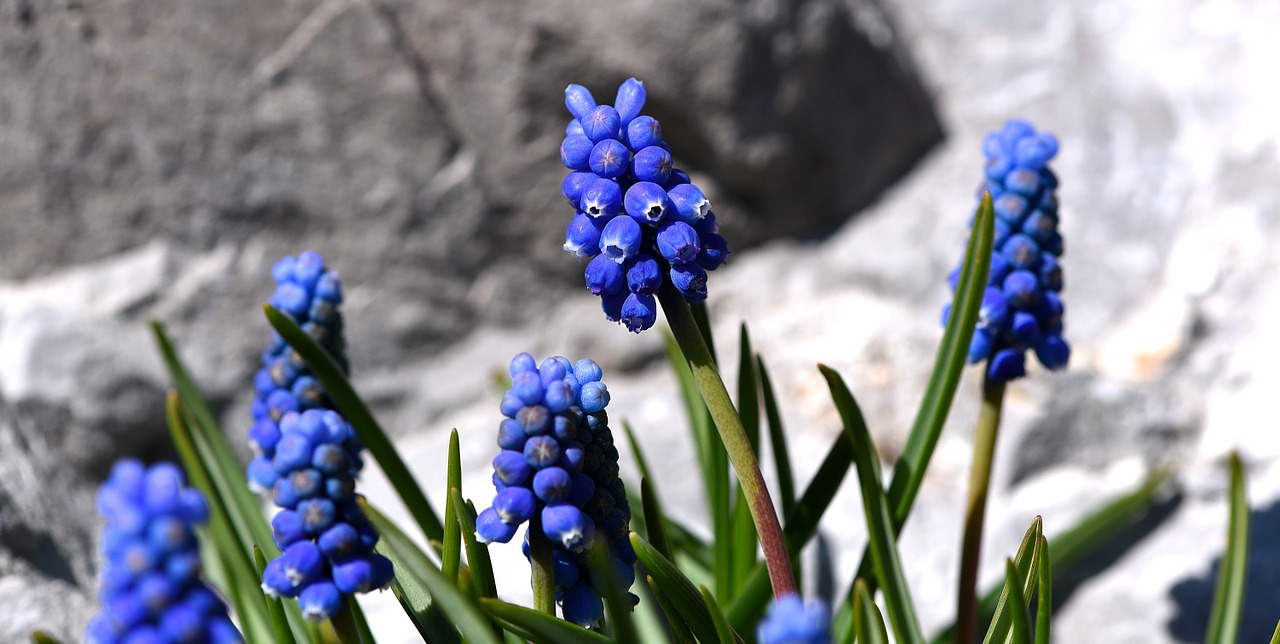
(984, 449)
(344, 624)
(544, 579)
(734, 437)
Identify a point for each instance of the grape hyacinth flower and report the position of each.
(326, 541)
(1022, 308)
(558, 460)
(310, 294)
(793, 621)
(639, 220)
(151, 589)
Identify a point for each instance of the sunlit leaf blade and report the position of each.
(653, 520)
(909, 471)
(237, 567)
(712, 458)
(868, 623)
(414, 570)
(1228, 596)
(679, 630)
(538, 627)
(1019, 629)
(279, 623)
(43, 637)
(777, 440)
(451, 552)
(617, 604)
(1275, 637)
(724, 634)
(1026, 563)
(481, 569)
(684, 598)
(362, 420)
(642, 463)
(884, 549)
(1086, 536)
(743, 554)
(801, 525)
(1044, 603)
(226, 472)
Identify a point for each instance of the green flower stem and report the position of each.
(984, 448)
(544, 579)
(734, 437)
(344, 624)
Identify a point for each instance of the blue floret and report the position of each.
(639, 204)
(1021, 308)
(791, 620)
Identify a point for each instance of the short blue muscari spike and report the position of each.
(628, 174)
(1021, 308)
(151, 587)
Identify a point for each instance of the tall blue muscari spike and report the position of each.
(557, 459)
(151, 584)
(627, 174)
(1021, 308)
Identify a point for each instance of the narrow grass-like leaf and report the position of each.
(43, 637)
(244, 511)
(802, 524)
(481, 570)
(431, 624)
(909, 471)
(415, 570)
(1044, 604)
(1026, 566)
(279, 623)
(778, 440)
(711, 456)
(884, 548)
(355, 412)
(724, 634)
(868, 623)
(451, 552)
(1275, 637)
(679, 630)
(1228, 596)
(653, 520)
(622, 628)
(1019, 629)
(538, 626)
(238, 569)
(743, 553)
(669, 581)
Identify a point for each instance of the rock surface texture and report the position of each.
(155, 160)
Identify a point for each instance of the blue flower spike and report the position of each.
(1021, 308)
(791, 620)
(151, 588)
(558, 460)
(623, 179)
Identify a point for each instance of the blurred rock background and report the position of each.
(155, 158)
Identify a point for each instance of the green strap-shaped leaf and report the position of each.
(226, 473)
(1019, 627)
(361, 419)
(43, 637)
(1228, 596)
(724, 634)
(451, 550)
(415, 570)
(1044, 605)
(618, 605)
(669, 581)
(868, 623)
(909, 472)
(743, 552)
(1275, 637)
(538, 627)
(1026, 566)
(679, 630)
(778, 440)
(884, 548)
(653, 520)
(481, 569)
(238, 569)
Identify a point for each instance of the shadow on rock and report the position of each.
(1194, 596)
